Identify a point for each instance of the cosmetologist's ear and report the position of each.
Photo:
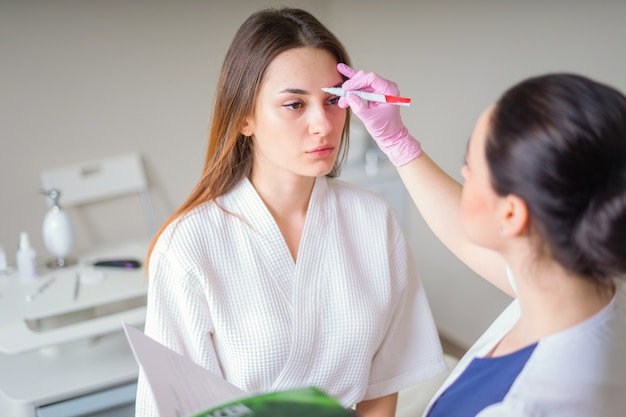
(516, 215)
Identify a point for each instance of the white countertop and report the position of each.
(43, 377)
(56, 347)
(55, 317)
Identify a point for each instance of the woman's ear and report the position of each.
(247, 129)
(515, 217)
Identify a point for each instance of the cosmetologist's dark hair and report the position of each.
(558, 141)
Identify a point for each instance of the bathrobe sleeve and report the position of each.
(411, 351)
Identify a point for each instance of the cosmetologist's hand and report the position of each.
(381, 120)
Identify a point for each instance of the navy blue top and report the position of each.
(484, 382)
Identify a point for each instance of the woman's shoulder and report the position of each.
(349, 193)
(200, 216)
(192, 228)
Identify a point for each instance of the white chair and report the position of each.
(98, 180)
(412, 401)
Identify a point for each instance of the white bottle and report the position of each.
(4, 266)
(58, 233)
(26, 259)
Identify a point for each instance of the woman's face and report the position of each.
(296, 127)
(479, 202)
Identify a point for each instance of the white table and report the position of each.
(56, 349)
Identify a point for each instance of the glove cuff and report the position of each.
(405, 148)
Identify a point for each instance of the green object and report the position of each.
(305, 402)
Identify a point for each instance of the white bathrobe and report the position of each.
(350, 316)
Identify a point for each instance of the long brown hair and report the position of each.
(263, 36)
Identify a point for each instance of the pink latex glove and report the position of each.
(381, 120)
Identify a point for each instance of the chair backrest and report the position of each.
(101, 179)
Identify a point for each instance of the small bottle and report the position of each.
(4, 266)
(26, 259)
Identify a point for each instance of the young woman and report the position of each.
(273, 274)
(541, 215)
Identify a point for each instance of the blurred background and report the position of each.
(84, 79)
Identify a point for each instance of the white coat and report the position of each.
(578, 372)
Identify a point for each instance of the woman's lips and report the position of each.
(322, 152)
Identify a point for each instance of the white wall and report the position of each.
(85, 79)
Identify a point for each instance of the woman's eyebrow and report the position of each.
(294, 91)
(301, 91)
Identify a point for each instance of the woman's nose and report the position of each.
(320, 123)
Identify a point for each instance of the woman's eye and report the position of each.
(334, 100)
(294, 106)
